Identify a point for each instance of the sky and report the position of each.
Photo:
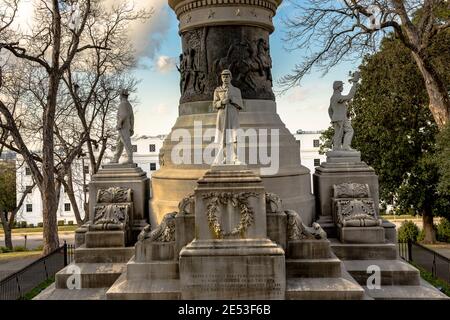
(303, 107)
(158, 46)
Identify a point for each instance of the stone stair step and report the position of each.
(104, 255)
(52, 293)
(124, 289)
(346, 251)
(313, 268)
(92, 275)
(393, 272)
(322, 289)
(406, 293)
(153, 270)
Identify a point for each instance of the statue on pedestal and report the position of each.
(338, 111)
(228, 102)
(125, 128)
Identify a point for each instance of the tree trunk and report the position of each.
(437, 91)
(6, 229)
(48, 188)
(428, 228)
(70, 193)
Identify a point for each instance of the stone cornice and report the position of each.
(179, 6)
(182, 7)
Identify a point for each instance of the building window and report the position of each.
(86, 169)
(316, 162)
(152, 148)
(66, 206)
(27, 171)
(29, 189)
(316, 143)
(152, 166)
(29, 207)
(134, 148)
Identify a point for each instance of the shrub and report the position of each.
(70, 223)
(31, 225)
(443, 231)
(20, 249)
(4, 250)
(408, 231)
(23, 224)
(60, 222)
(40, 224)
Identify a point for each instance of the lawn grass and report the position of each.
(399, 217)
(16, 255)
(33, 293)
(443, 286)
(23, 231)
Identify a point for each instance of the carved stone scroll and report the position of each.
(165, 232)
(298, 231)
(114, 195)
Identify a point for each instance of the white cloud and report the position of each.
(165, 64)
(162, 109)
(147, 36)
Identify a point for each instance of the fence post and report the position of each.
(410, 250)
(65, 253)
(434, 272)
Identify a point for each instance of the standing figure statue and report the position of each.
(125, 128)
(228, 102)
(338, 111)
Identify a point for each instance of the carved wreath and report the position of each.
(237, 200)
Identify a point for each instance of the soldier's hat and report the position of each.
(226, 72)
(124, 93)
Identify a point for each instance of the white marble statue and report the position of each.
(338, 111)
(228, 102)
(125, 128)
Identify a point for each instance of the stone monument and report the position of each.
(343, 163)
(233, 35)
(126, 175)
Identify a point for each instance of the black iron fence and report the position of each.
(426, 258)
(17, 285)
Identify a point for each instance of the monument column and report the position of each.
(233, 35)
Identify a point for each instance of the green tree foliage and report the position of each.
(408, 231)
(395, 131)
(7, 186)
(443, 230)
(443, 158)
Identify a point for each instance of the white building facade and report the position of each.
(146, 155)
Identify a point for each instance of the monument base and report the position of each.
(124, 176)
(341, 167)
(361, 234)
(232, 269)
(105, 239)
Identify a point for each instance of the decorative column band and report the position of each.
(188, 5)
(198, 13)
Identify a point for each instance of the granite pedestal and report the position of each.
(340, 167)
(125, 176)
(231, 256)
